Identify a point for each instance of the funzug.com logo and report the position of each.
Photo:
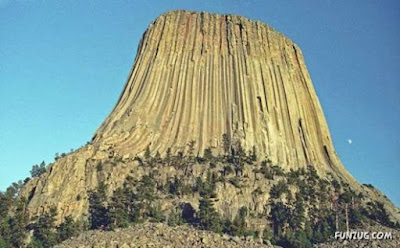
(358, 235)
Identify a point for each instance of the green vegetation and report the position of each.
(38, 170)
(15, 223)
(303, 209)
(44, 234)
(97, 207)
(209, 218)
(175, 217)
(278, 189)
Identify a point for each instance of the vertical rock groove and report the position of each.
(198, 76)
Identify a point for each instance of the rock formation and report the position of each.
(159, 235)
(196, 77)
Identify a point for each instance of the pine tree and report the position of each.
(238, 227)
(156, 214)
(356, 217)
(12, 226)
(18, 224)
(298, 214)
(208, 155)
(279, 217)
(5, 203)
(5, 232)
(175, 217)
(147, 156)
(97, 208)
(45, 229)
(157, 158)
(69, 228)
(205, 188)
(209, 217)
(118, 209)
(238, 159)
(278, 189)
(38, 170)
(176, 186)
(145, 195)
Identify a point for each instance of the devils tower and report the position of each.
(199, 77)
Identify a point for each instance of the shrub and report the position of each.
(38, 170)
(278, 189)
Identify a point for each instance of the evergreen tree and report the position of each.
(279, 217)
(12, 221)
(38, 170)
(298, 214)
(18, 223)
(69, 228)
(118, 209)
(5, 232)
(5, 203)
(378, 212)
(278, 189)
(176, 187)
(145, 190)
(145, 196)
(356, 217)
(147, 156)
(208, 155)
(238, 227)
(45, 229)
(157, 158)
(156, 214)
(98, 216)
(205, 188)
(175, 217)
(209, 217)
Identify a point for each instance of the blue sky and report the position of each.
(64, 63)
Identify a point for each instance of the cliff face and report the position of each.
(196, 77)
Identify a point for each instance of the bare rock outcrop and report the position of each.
(196, 77)
(159, 235)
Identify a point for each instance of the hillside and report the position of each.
(158, 235)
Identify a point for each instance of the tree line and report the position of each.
(303, 209)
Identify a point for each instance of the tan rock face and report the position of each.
(196, 77)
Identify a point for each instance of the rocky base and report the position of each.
(394, 242)
(158, 235)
